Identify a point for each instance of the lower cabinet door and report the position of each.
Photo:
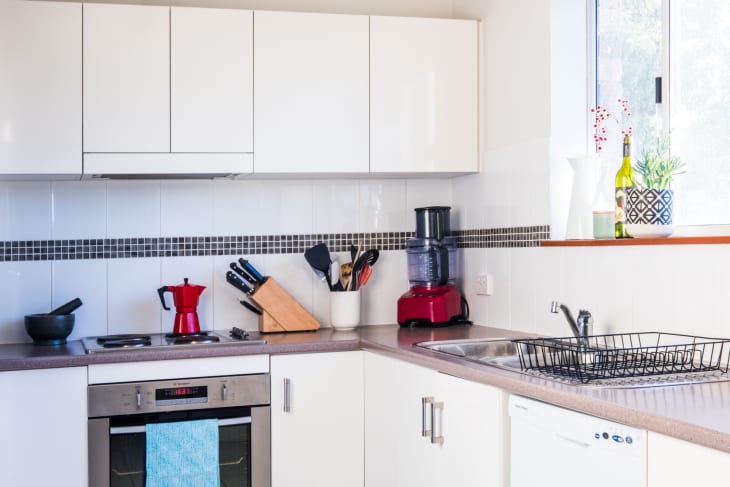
(454, 437)
(43, 432)
(317, 420)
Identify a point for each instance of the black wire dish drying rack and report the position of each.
(624, 356)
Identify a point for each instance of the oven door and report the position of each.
(117, 446)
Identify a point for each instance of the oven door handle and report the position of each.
(128, 430)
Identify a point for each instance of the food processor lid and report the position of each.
(433, 222)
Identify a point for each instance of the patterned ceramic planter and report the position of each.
(649, 212)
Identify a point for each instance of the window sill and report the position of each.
(707, 240)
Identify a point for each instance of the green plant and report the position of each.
(657, 167)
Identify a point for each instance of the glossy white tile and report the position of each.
(237, 207)
(86, 280)
(133, 209)
(186, 208)
(78, 209)
(524, 309)
(498, 265)
(286, 207)
(335, 207)
(379, 297)
(428, 192)
(133, 303)
(28, 211)
(383, 206)
(26, 289)
(199, 270)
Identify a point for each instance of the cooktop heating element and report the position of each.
(128, 342)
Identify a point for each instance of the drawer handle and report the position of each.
(287, 395)
(437, 440)
(425, 401)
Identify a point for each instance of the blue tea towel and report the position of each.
(183, 454)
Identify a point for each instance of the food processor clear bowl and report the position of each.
(425, 266)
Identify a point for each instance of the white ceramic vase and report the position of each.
(580, 213)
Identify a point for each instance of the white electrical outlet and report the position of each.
(485, 284)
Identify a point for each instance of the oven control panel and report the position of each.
(178, 394)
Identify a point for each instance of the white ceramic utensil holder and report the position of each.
(345, 310)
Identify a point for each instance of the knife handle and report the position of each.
(238, 283)
(251, 270)
(242, 273)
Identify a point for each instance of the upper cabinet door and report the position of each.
(126, 78)
(40, 88)
(424, 95)
(311, 96)
(212, 80)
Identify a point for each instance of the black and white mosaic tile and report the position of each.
(120, 248)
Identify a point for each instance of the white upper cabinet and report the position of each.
(40, 89)
(212, 80)
(423, 95)
(311, 97)
(126, 78)
(167, 90)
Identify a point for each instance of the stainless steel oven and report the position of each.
(119, 413)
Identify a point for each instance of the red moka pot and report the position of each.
(185, 296)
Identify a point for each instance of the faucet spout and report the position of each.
(555, 307)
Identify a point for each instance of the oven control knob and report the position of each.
(224, 393)
(139, 398)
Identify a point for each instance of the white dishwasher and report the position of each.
(556, 447)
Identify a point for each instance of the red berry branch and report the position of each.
(601, 115)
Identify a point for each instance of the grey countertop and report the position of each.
(696, 413)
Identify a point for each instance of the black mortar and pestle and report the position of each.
(52, 328)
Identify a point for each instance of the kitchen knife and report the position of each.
(251, 270)
(251, 307)
(238, 283)
(243, 273)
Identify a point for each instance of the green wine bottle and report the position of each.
(624, 180)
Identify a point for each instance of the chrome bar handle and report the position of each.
(425, 401)
(438, 440)
(287, 395)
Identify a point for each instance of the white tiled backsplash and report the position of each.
(120, 295)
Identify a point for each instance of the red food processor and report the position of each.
(185, 296)
(433, 299)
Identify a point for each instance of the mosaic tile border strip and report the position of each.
(121, 248)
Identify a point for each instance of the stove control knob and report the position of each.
(224, 393)
(139, 398)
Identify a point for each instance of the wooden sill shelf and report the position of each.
(722, 239)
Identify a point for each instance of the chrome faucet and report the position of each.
(581, 327)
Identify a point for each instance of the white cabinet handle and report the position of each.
(440, 438)
(287, 395)
(425, 401)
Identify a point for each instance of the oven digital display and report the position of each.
(181, 395)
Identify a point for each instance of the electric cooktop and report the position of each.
(141, 341)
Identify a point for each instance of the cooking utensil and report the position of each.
(67, 308)
(185, 296)
(335, 274)
(257, 276)
(369, 257)
(246, 276)
(364, 275)
(353, 278)
(238, 283)
(318, 258)
(345, 275)
(48, 329)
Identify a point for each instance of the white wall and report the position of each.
(120, 295)
(528, 129)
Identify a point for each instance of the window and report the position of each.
(687, 44)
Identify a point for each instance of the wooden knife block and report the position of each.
(281, 312)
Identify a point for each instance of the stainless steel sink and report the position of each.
(497, 352)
